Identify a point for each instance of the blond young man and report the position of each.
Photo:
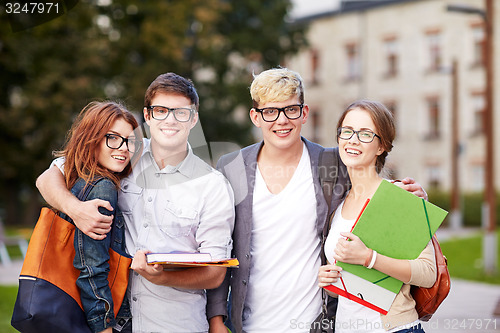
(280, 214)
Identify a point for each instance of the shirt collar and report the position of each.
(186, 167)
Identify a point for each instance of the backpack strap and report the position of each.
(328, 170)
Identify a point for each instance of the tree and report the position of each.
(217, 43)
(114, 49)
(49, 72)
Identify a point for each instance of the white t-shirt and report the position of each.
(351, 316)
(282, 290)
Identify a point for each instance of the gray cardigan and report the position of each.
(240, 167)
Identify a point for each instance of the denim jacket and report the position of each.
(92, 256)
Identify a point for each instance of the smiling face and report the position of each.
(169, 135)
(282, 133)
(116, 160)
(354, 153)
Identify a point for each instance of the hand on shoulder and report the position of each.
(409, 184)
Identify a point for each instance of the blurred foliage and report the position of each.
(470, 203)
(113, 50)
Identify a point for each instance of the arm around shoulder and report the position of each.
(105, 190)
(86, 215)
(52, 187)
(409, 184)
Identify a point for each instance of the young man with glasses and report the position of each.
(172, 201)
(280, 214)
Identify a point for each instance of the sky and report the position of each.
(310, 7)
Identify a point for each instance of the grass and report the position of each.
(464, 262)
(14, 252)
(7, 299)
(465, 259)
(8, 294)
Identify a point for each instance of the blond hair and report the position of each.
(276, 85)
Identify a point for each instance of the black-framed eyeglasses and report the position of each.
(115, 141)
(272, 114)
(365, 136)
(160, 112)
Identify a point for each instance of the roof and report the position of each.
(348, 6)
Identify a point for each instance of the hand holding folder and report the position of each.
(396, 224)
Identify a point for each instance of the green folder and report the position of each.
(397, 224)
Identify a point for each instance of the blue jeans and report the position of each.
(415, 329)
(91, 259)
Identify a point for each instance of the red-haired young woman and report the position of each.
(98, 152)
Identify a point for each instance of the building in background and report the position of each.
(400, 52)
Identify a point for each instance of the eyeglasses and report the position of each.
(182, 115)
(114, 141)
(366, 136)
(291, 112)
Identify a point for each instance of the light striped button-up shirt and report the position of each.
(188, 207)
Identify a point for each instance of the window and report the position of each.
(478, 105)
(434, 176)
(315, 66)
(353, 62)
(316, 125)
(477, 171)
(434, 47)
(433, 112)
(391, 57)
(478, 36)
(392, 106)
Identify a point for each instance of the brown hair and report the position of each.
(171, 83)
(82, 143)
(384, 125)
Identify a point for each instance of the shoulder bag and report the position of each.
(428, 299)
(48, 299)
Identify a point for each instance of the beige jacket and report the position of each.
(423, 274)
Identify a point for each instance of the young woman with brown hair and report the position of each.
(365, 133)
